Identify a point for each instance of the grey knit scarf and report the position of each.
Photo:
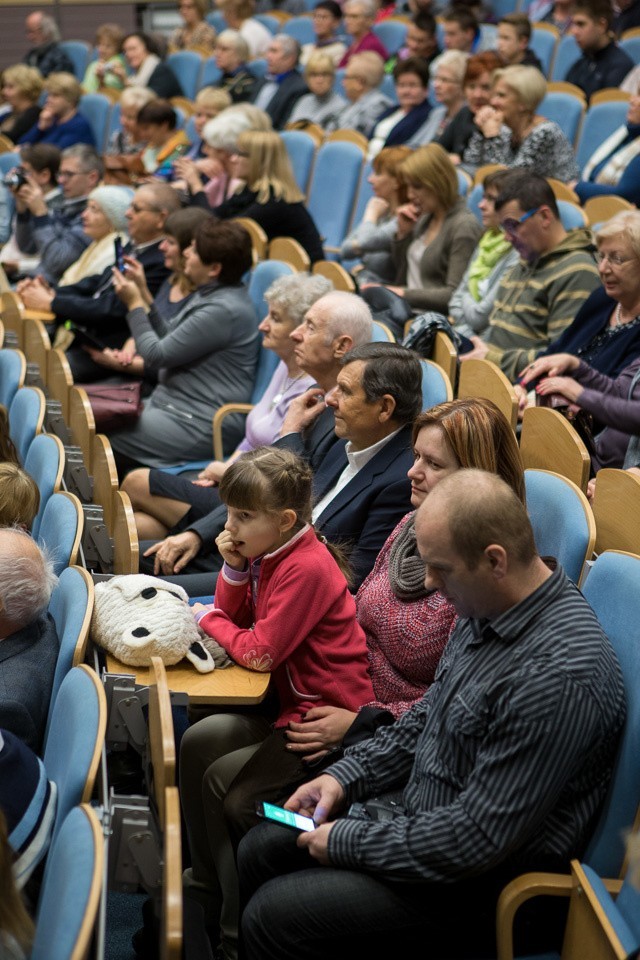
(406, 568)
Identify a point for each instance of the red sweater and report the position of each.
(302, 628)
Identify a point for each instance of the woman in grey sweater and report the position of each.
(205, 357)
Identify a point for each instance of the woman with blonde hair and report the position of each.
(270, 195)
(19, 497)
(511, 132)
(59, 121)
(21, 89)
(436, 233)
(370, 240)
(322, 105)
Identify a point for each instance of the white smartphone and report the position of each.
(285, 817)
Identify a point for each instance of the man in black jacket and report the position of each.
(603, 63)
(279, 91)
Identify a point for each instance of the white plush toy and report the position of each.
(137, 617)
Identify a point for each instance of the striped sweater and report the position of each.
(536, 302)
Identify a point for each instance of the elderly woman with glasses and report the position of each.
(322, 105)
(605, 335)
(511, 132)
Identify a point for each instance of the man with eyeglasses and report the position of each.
(540, 296)
(57, 236)
(93, 303)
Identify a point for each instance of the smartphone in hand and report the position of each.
(285, 818)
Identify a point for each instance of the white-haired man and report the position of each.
(28, 639)
(45, 54)
(280, 90)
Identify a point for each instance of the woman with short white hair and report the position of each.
(511, 132)
(231, 55)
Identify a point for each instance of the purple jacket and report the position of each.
(608, 401)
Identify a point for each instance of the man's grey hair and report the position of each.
(368, 7)
(295, 294)
(49, 29)
(235, 39)
(88, 159)
(289, 46)
(26, 581)
(348, 314)
(164, 196)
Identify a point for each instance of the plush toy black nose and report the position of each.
(148, 593)
(140, 632)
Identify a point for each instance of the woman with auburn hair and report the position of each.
(196, 32)
(370, 240)
(476, 88)
(270, 195)
(59, 121)
(21, 89)
(100, 72)
(511, 132)
(436, 232)
(406, 626)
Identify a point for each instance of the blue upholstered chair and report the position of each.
(436, 386)
(26, 416)
(562, 520)
(13, 368)
(301, 149)
(45, 463)
(333, 219)
(71, 888)
(61, 529)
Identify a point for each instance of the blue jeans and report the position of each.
(297, 910)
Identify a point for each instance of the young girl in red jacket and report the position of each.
(282, 605)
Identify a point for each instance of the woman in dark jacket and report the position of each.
(147, 69)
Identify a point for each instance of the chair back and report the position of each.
(262, 276)
(126, 549)
(543, 43)
(61, 529)
(95, 108)
(381, 333)
(436, 386)
(549, 442)
(571, 215)
(71, 887)
(11, 309)
(481, 378)
(26, 416)
(340, 278)
(36, 343)
(474, 197)
(82, 423)
(392, 34)
(211, 73)
(301, 150)
(13, 369)
(600, 209)
(301, 29)
(613, 590)
(59, 379)
(290, 251)
(171, 922)
(9, 160)
(333, 219)
(599, 123)
(347, 135)
(631, 45)
(217, 20)
(258, 68)
(162, 747)
(186, 65)
(565, 110)
(71, 607)
(76, 738)
(44, 462)
(445, 355)
(562, 520)
(365, 192)
(616, 507)
(78, 52)
(259, 240)
(271, 23)
(567, 52)
(597, 922)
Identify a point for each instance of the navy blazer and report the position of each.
(289, 91)
(93, 302)
(367, 510)
(27, 667)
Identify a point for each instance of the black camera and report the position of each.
(15, 178)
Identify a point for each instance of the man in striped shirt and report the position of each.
(502, 766)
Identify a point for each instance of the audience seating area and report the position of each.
(106, 838)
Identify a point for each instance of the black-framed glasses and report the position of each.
(512, 224)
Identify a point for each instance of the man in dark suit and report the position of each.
(334, 325)
(29, 642)
(282, 87)
(93, 302)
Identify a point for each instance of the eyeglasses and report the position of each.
(615, 260)
(512, 225)
(438, 79)
(319, 73)
(68, 174)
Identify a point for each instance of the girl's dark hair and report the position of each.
(269, 480)
(7, 448)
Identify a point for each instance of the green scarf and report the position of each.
(492, 248)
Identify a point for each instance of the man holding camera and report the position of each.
(57, 235)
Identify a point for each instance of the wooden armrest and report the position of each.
(44, 315)
(524, 888)
(218, 417)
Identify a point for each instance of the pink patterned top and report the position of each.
(405, 639)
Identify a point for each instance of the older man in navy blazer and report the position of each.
(29, 643)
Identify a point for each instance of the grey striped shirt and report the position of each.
(506, 759)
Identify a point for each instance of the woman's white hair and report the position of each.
(223, 131)
(296, 294)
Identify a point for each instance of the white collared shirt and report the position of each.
(357, 459)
